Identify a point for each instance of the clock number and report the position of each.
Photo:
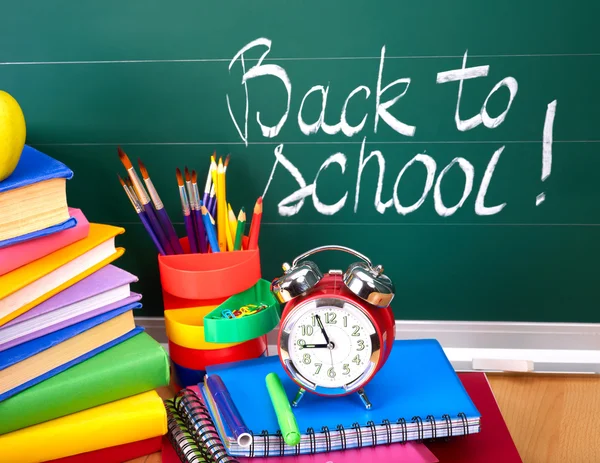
(331, 373)
(356, 359)
(301, 343)
(345, 321)
(318, 365)
(307, 330)
(306, 359)
(330, 317)
(361, 345)
(346, 369)
(314, 320)
(356, 331)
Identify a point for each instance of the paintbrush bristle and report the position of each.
(124, 158)
(143, 169)
(121, 180)
(179, 177)
(194, 177)
(188, 178)
(227, 160)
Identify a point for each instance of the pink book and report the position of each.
(105, 290)
(411, 452)
(17, 255)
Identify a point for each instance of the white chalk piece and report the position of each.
(502, 365)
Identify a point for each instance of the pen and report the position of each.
(228, 410)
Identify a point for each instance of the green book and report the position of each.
(134, 366)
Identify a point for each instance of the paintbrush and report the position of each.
(144, 200)
(194, 205)
(187, 217)
(141, 214)
(200, 230)
(161, 212)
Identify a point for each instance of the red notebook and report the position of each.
(116, 454)
(493, 444)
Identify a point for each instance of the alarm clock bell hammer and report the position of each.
(337, 329)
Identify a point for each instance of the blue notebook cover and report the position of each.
(417, 381)
(34, 167)
(69, 223)
(23, 351)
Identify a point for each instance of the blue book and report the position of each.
(416, 395)
(69, 223)
(42, 209)
(34, 167)
(29, 363)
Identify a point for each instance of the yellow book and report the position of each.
(31, 284)
(142, 416)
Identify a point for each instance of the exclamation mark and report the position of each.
(547, 148)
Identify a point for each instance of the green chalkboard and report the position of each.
(458, 143)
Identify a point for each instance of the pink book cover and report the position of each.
(411, 452)
(105, 279)
(20, 254)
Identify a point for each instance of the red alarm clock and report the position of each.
(337, 330)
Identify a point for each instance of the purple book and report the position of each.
(103, 291)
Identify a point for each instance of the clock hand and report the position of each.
(314, 346)
(322, 329)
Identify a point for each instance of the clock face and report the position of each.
(330, 343)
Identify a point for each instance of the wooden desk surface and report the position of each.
(551, 418)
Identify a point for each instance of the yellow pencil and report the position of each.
(221, 208)
(232, 221)
(213, 171)
(229, 235)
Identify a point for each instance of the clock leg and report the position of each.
(365, 400)
(298, 397)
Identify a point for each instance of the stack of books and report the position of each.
(77, 377)
(422, 411)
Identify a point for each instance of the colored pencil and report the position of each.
(239, 233)
(213, 170)
(228, 234)
(210, 230)
(255, 226)
(232, 221)
(161, 212)
(221, 208)
(142, 215)
(144, 200)
(212, 200)
(207, 185)
(187, 217)
(200, 230)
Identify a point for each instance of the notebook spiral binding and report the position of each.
(373, 431)
(178, 439)
(197, 418)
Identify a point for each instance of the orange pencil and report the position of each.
(255, 226)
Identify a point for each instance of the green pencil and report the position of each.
(239, 232)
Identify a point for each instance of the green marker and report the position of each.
(283, 410)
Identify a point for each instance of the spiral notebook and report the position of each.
(416, 396)
(188, 447)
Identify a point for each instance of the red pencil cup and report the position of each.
(190, 280)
